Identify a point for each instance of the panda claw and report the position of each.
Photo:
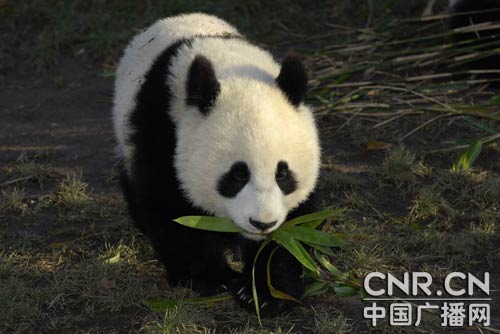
(240, 291)
(264, 304)
(250, 300)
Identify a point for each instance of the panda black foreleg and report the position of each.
(192, 258)
(286, 276)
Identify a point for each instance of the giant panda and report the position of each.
(207, 123)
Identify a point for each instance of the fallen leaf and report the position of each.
(55, 245)
(114, 259)
(104, 286)
(378, 145)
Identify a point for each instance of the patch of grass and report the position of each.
(13, 201)
(463, 199)
(38, 286)
(399, 165)
(73, 198)
(19, 299)
(330, 321)
(183, 318)
(26, 170)
(429, 204)
(72, 192)
(489, 188)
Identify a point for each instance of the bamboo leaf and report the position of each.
(345, 291)
(329, 266)
(320, 215)
(315, 289)
(495, 100)
(312, 224)
(480, 125)
(287, 241)
(321, 249)
(468, 157)
(311, 236)
(275, 292)
(207, 223)
(254, 286)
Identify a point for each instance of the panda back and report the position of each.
(140, 55)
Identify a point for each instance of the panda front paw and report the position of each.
(268, 305)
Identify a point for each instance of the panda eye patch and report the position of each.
(285, 178)
(240, 172)
(231, 183)
(281, 171)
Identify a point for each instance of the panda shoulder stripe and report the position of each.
(149, 114)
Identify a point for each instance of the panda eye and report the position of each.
(240, 176)
(240, 172)
(282, 171)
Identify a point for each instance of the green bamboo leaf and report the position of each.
(345, 290)
(363, 294)
(495, 100)
(254, 286)
(275, 292)
(163, 305)
(312, 236)
(312, 224)
(321, 249)
(467, 158)
(481, 125)
(207, 223)
(329, 266)
(287, 241)
(315, 289)
(320, 215)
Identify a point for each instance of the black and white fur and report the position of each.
(207, 123)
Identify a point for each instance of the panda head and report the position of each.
(247, 149)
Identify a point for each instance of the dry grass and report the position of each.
(14, 201)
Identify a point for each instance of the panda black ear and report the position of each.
(202, 85)
(292, 79)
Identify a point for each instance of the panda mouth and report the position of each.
(257, 233)
(254, 235)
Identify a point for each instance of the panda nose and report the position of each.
(261, 225)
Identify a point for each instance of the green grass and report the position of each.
(72, 193)
(99, 30)
(399, 165)
(14, 202)
(27, 170)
